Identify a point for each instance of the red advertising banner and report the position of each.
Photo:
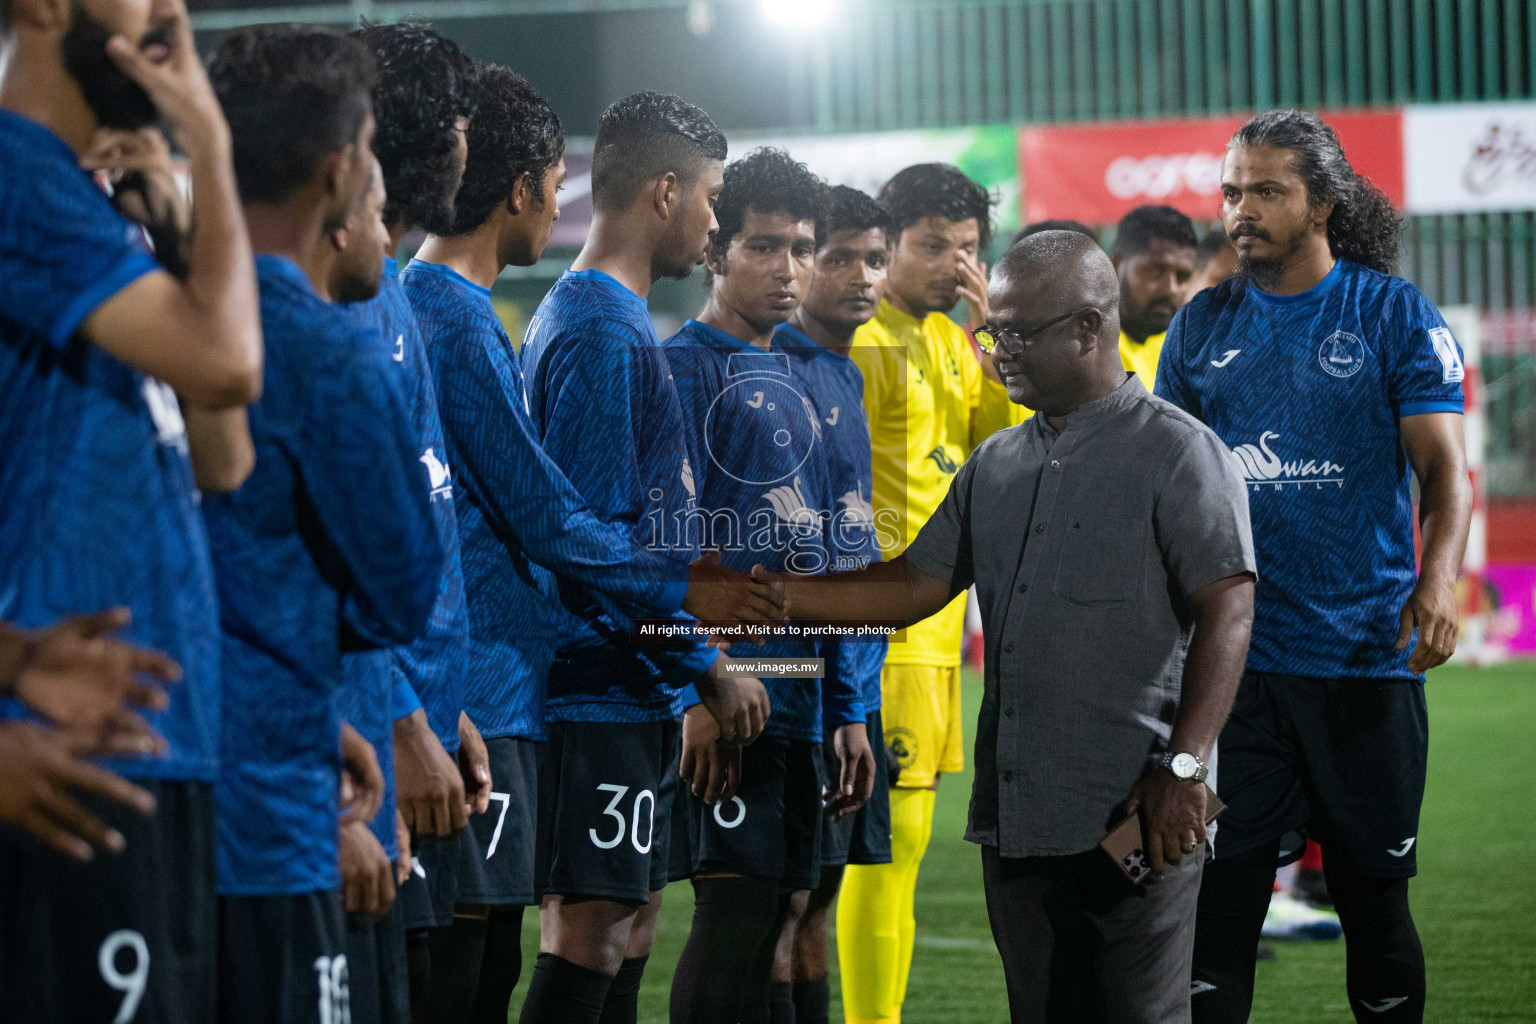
(1098, 172)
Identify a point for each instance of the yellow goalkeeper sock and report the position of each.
(875, 922)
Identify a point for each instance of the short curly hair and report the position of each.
(515, 132)
(848, 209)
(936, 190)
(292, 95)
(768, 180)
(426, 83)
(642, 137)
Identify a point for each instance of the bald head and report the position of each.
(1058, 271)
(1054, 306)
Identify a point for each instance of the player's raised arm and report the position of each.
(202, 336)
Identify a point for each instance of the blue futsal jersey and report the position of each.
(760, 472)
(605, 409)
(520, 517)
(1307, 391)
(99, 505)
(835, 386)
(329, 544)
(379, 683)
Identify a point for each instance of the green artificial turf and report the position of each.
(1474, 899)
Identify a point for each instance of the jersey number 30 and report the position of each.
(632, 825)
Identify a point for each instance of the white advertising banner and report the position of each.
(1466, 157)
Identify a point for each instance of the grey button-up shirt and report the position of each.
(1082, 547)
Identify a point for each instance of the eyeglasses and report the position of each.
(1013, 341)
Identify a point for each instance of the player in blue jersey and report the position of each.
(329, 545)
(118, 381)
(422, 102)
(1330, 380)
(521, 518)
(600, 394)
(755, 442)
(844, 294)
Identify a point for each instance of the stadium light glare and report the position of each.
(797, 13)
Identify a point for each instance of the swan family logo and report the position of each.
(1260, 465)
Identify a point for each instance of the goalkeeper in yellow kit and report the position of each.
(929, 404)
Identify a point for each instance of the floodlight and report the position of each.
(797, 13)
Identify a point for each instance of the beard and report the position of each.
(1266, 271)
(116, 100)
(1143, 323)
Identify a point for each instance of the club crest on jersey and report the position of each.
(1341, 354)
(1260, 465)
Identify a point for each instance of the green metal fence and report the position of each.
(920, 63)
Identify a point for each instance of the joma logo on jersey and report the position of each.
(1259, 465)
(941, 459)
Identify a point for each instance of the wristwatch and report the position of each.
(1185, 767)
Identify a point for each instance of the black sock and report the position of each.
(757, 999)
(1234, 896)
(623, 1003)
(418, 969)
(456, 954)
(1385, 960)
(813, 1001)
(500, 967)
(781, 1003)
(561, 992)
(732, 917)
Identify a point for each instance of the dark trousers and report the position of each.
(1081, 945)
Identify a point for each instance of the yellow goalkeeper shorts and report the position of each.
(920, 710)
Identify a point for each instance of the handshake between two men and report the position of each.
(734, 705)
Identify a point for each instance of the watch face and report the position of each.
(1185, 765)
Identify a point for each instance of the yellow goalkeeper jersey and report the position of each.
(1140, 357)
(923, 394)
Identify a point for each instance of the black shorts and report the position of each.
(430, 891)
(771, 828)
(283, 959)
(1339, 760)
(379, 982)
(127, 936)
(605, 808)
(497, 852)
(864, 838)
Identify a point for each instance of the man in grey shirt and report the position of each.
(1108, 540)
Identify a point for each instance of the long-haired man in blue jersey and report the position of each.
(1330, 380)
(329, 546)
(843, 296)
(119, 381)
(754, 441)
(408, 701)
(521, 519)
(601, 395)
